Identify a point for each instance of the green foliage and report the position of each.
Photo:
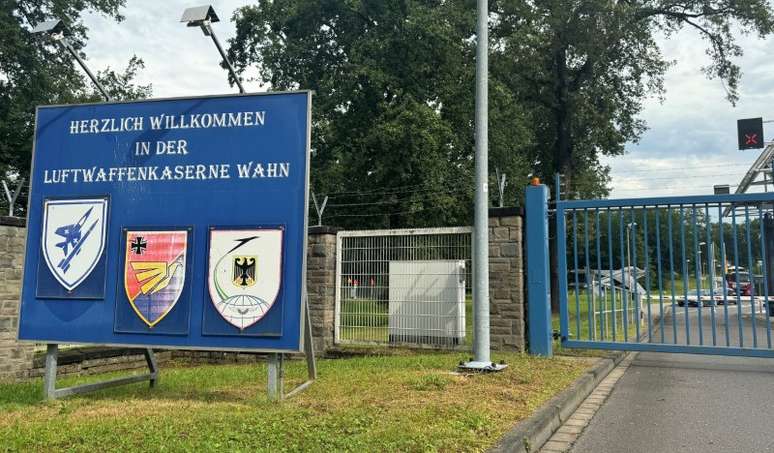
(393, 116)
(393, 130)
(583, 69)
(35, 71)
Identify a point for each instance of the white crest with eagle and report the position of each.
(245, 273)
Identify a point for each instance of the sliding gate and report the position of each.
(679, 274)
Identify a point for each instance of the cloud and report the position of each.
(179, 61)
(691, 142)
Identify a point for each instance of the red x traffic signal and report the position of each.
(750, 132)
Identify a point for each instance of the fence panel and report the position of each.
(407, 287)
(678, 274)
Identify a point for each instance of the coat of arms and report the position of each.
(154, 272)
(73, 238)
(245, 273)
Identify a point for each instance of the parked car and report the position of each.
(741, 280)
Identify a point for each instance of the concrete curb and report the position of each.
(530, 435)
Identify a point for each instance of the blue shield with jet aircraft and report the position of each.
(73, 239)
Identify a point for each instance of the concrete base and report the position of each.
(482, 367)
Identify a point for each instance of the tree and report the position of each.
(583, 69)
(33, 71)
(393, 111)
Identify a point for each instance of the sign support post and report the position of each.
(276, 364)
(50, 392)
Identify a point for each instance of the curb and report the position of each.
(530, 435)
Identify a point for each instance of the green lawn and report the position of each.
(405, 402)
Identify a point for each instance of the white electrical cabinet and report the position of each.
(427, 302)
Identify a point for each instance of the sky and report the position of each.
(689, 147)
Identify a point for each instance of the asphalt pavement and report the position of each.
(691, 403)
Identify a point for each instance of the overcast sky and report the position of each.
(690, 146)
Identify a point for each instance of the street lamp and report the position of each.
(631, 278)
(701, 265)
(629, 227)
(203, 17)
(57, 31)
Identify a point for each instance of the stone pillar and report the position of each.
(15, 357)
(321, 285)
(506, 279)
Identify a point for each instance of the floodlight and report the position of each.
(51, 27)
(200, 16)
(56, 30)
(203, 17)
(195, 16)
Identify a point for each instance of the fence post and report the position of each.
(538, 280)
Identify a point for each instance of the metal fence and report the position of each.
(407, 287)
(678, 274)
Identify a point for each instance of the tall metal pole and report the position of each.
(481, 223)
(85, 68)
(224, 56)
(481, 359)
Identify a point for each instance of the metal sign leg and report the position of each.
(276, 365)
(275, 377)
(153, 366)
(311, 361)
(50, 392)
(49, 376)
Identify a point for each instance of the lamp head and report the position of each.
(200, 16)
(51, 27)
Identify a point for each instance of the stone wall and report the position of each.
(321, 285)
(506, 279)
(15, 357)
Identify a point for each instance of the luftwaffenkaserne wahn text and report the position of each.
(176, 147)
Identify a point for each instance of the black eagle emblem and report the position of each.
(244, 271)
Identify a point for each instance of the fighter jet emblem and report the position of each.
(73, 238)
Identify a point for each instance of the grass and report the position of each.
(405, 402)
(581, 305)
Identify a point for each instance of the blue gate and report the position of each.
(676, 274)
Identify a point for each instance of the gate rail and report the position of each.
(659, 274)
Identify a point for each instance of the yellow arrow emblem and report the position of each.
(154, 275)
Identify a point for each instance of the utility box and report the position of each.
(427, 302)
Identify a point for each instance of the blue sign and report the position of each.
(169, 223)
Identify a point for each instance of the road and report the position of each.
(690, 403)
